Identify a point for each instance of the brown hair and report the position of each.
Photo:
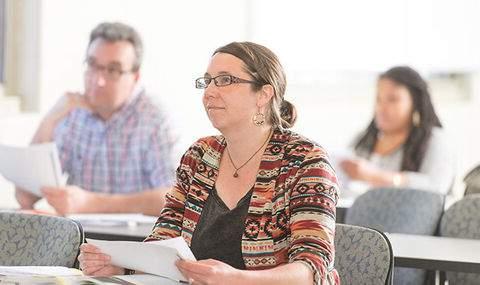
(265, 68)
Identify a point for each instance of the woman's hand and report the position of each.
(95, 263)
(209, 271)
(357, 169)
(360, 169)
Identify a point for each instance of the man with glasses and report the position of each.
(114, 143)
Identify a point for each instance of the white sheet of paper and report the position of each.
(113, 219)
(33, 167)
(39, 270)
(157, 257)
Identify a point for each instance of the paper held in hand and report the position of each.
(32, 167)
(155, 257)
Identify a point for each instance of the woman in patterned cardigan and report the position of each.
(256, 204)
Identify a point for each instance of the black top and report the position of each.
(218, 234)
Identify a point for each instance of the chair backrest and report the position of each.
(472, 181)
(362, 255)
(396, 210)
(34, 240)
(462, 220)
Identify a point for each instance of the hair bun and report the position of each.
(288, 113)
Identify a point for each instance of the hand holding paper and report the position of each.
(157, 257)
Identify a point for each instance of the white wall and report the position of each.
(370, 35)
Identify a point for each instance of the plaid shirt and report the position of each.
(131, 152)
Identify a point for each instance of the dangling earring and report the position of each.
(416, 118)
(259, 119)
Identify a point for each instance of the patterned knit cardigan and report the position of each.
(291, 216)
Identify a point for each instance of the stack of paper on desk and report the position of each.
(33, 167)
(157, 257)
(54, 275)
(38, 271)
(137, 279)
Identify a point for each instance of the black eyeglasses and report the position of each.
(110, 72)
(221, 80)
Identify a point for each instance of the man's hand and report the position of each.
(25, 199)
(69, 199)
(67, 103)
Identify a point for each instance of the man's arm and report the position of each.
(45, 130)
(148, 202)
(72, 199)
(66, 104)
